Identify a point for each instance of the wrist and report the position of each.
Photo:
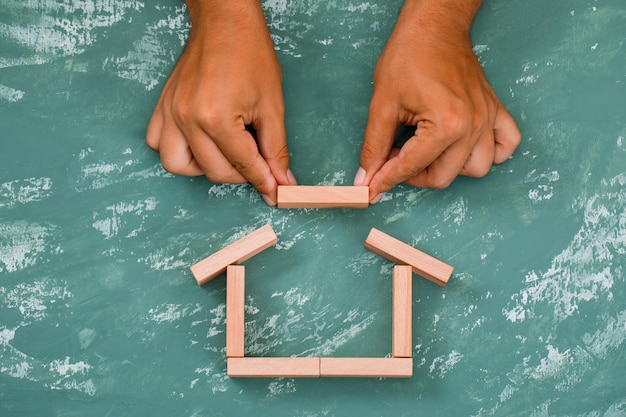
(218, 15)
(438, 21)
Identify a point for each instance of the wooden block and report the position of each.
(274, 367)
(235, 303)
(233, 254)
(399, 252)
(306, 196)
(366, 367)
(401, 339)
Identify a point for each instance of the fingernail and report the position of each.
(268, 200)
(291, 177)
(377, 198)
(359, 178)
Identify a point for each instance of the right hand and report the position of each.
(227, 77)
(428, 76)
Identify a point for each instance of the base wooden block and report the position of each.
(401, 335)
(274, 367)
(306, 196)
(366, 367)
(233, 254)
(235, 306)
(399, 252)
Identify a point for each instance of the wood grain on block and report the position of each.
(233, 254)
(402, 342)
(235, 303)
(399, 252)
(274, 367)
(366, 367)
(307, 196)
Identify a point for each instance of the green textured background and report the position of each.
(99, 315)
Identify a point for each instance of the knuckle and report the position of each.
(281, 156)
(441, 182)
(172, 166)
(240, 165)
(221, 177)
(152, 142)
(478, 171)
(368, 153)
(206, 116)
(479, 121)
(455, 120)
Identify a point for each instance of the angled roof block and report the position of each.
(400, 253)
(234, 254)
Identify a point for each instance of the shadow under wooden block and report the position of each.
(401, 336)
(235, 306)
(308, 196)
(274, 367)
(399, 252)
(233, 254)
(366, 367)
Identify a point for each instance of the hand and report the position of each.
(228, 77)
(428, 76)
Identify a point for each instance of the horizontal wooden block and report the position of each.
(274, 367)
(306, 196)
(366, 367)
(401, 339)
(399, 252)
(234, 254)
(235, 303)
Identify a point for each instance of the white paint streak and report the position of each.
(22, 244)
(24, 191)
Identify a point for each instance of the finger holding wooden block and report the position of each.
(233, 254)
(399, 252)
(366, 367)
(235, 308)
(308, 196)
(274, 367)
(401, 333)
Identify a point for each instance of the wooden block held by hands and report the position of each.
(274, 367)
(366, 367)
(233, 254)
(399, 252)
(401, 336)
(235, 304)
(309, 196)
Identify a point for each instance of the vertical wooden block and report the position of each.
(402, 342)
(366, 367)
(307, 196)
(274, 367)
(233, 254)
(399, 252)
(235, 303)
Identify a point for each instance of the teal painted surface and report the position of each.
(100, 316)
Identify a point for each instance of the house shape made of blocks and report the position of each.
(407, 259)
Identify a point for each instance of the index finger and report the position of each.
(377, 140)
(240, 148)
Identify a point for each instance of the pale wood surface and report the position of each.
(308, 196)
(402, 343)
(399, 252)
(235, 253)
(366, 367)
(274, 367)
(235, 303)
